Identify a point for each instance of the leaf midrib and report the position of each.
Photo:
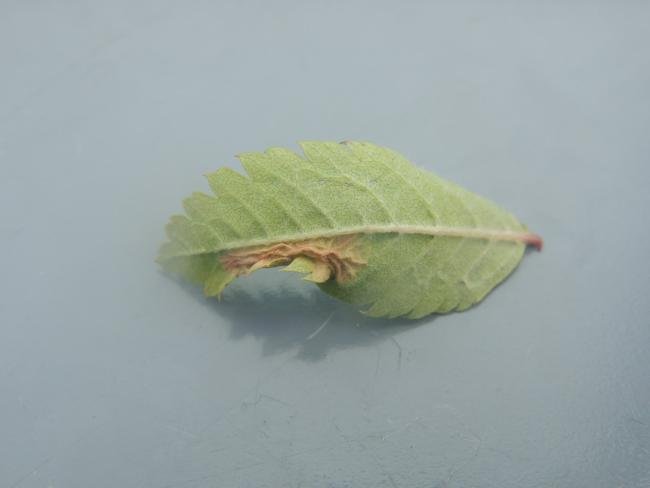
(523, 237)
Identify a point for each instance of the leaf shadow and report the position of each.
(285, 313)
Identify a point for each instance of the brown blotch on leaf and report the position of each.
(337, 258)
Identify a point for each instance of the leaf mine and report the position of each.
(322, 259)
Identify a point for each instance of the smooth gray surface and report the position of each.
(114, 375)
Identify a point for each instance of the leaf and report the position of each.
(361, 221)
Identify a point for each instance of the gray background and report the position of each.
(115, 375)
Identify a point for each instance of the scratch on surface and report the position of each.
(263, 396)
(179, 429)
(33, 471)
(378, 464)
(368, 451)
(320, 328)
(399, 353)
(49, 459)
(80, 64)
(264, 433)
(397, 430)
(53, 78)
(377, 361)
(242, 401)
(453, 470)
(635, 420)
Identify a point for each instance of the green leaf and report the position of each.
(359, 220)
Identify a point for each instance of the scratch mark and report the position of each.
(264, 433)
(397, 430)
(262, 396)
(181, 430)
(633, 419)
(68, 445)
(399, 353)
(369, 452)
(378, 464)
(377, 362)
(32, 472)
(276, 400)
(321, 327)
(241, 403)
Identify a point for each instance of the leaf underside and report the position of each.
(360, 220)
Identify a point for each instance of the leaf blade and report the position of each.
(429, 245)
